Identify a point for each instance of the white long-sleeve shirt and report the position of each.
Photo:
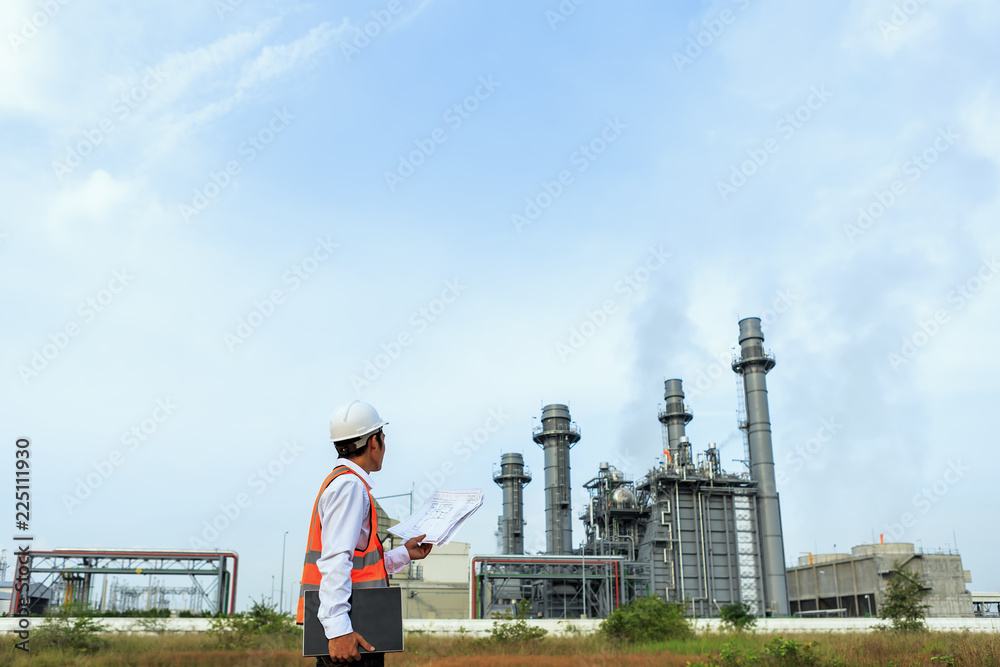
(345, 518)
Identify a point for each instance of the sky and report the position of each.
(223, 219)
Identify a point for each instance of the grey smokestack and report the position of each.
(753, 364)
(556, 435)
(674, 416)
(511, 478)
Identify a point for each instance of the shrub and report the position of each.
(646, 619)
(779, 652)
(261, 627)
(903, 606)
(65, 629)
(737, 616)
(514, 629)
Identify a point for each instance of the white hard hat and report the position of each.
(354, 420)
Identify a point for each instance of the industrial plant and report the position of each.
(688, 531)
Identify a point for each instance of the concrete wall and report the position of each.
(858, 584)
(447, 564)
(480, 627)
(435, 600)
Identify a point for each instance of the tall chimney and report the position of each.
(556, 435)
(512, 477)
(674, 417)
(753, 365)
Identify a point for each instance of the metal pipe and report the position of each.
(680, 538)
(753, 364)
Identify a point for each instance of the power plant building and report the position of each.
(854, 584)
(688, 531)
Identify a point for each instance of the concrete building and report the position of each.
(854, 584)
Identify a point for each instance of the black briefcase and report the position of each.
(376, 614)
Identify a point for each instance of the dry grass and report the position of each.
(195, 650)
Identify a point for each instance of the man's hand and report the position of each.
(415, 549)
(345, 647)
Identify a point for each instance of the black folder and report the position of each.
(376, 614)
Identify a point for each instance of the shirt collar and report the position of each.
(358, 469)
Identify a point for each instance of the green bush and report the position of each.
(904, 604)
(66, 630)
(514, 629)
(647, 619)
(261, 627)
(737, 616)
(779, 652)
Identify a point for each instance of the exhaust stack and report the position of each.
(512, 477)
(674, 417)
(556, 435)
(753, 364)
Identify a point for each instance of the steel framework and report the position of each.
(72, 569)
(556, 586)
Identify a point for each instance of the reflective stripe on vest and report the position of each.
(367, 566)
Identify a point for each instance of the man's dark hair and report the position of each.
(346, 448)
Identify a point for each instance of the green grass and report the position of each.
(196, 649)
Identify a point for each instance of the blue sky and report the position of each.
(662, 170)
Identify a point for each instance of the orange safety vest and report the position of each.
(367, 568)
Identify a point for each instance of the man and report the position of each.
(343, 551)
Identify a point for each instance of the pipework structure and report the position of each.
(556, 435)
(512, 478)
(752, 365)
(698, 534)
(66, 576)
(613, 516)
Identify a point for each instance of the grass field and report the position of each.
(191, 650)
